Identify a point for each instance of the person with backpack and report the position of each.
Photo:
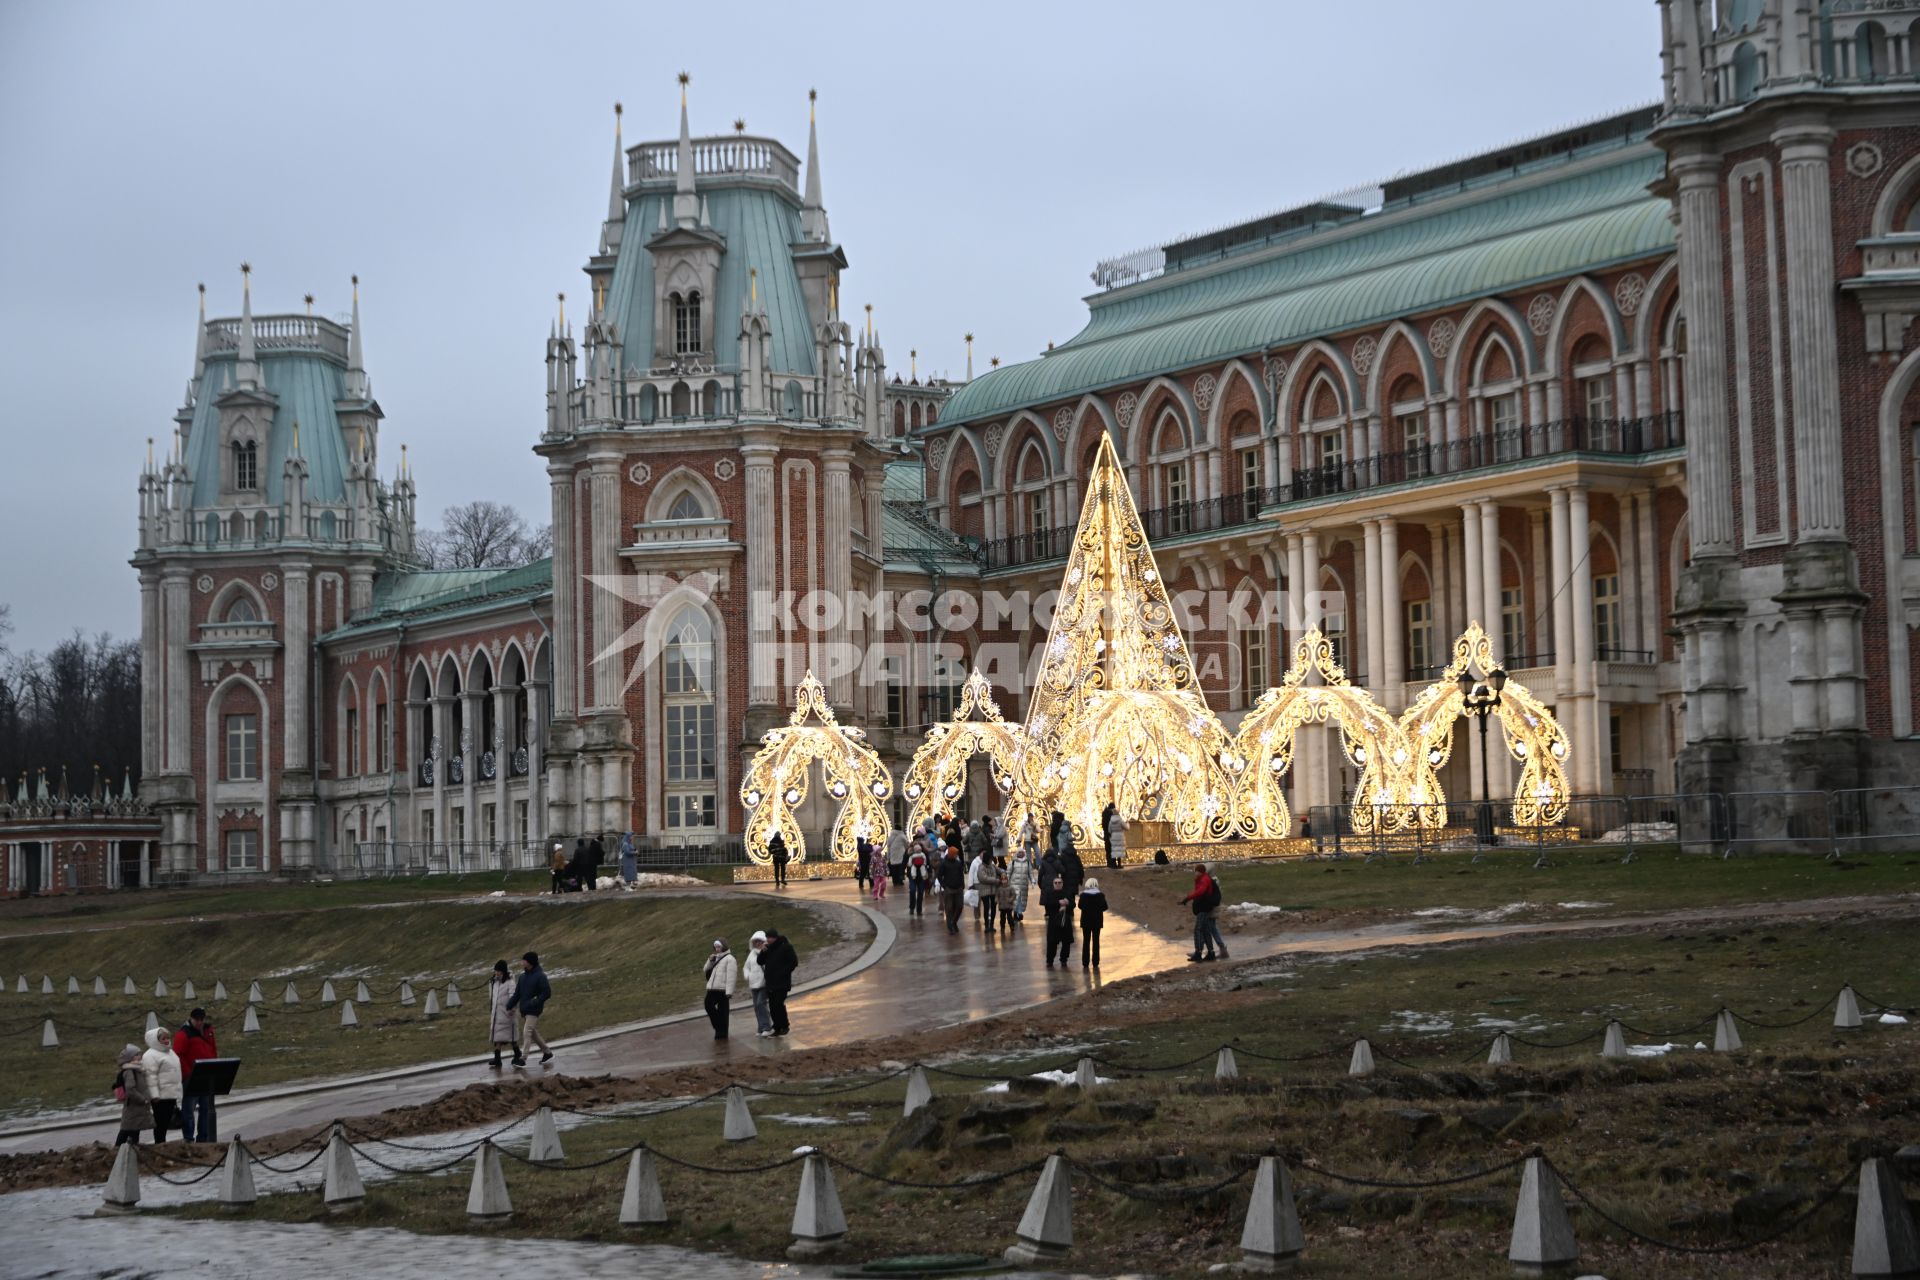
(136, 1102)
(531, 991)
(1093, 916)
(919, 872)
(777, 851)
(952, 875)
(1206, 927)
(778, 960)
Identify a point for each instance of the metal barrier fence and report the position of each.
(416, 858)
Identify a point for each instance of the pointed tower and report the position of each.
(616, 223)
(813, 214)
(246, 374)
(686, 200)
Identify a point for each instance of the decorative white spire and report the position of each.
(813, 214)
(356, 385)
(617, 194)
(248, 372)
(200, 337)
(686, 204)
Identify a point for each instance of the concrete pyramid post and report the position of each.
(453, 996)
(406, 992)
(818, 1221)
(919, 1092)
(253, 993)
(1084, 1075)
(1362, 1061)
(1501, 1054)
(738, 1126)
(123, 1184)
(187, 992)
(1272, 1238)
(1726, 1035)
(153, 1020)
(432, 1007)
(291, 995)
(236, 1177)
(73, 986)
(1884, 1243)
(545, 1147)
(21, 985)
(1225, 1067)
(1045, 1232)
(1846, 1013)
(46, 985)
(49, 1038)
(99, 986)
(326, 992)
(348, 1018)
(219, 991)
(1542, 1236)
(128, 990)
(1615, 1045)
(160, 989)
(642, 1205)
(487, 1200)
(343, 1189)
(250, 1025)
(361, 994)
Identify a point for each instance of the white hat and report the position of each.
(758, 936)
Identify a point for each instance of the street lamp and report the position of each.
(1481, 700)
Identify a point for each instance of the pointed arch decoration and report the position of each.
(781, 771)
(938, 772)
(1532, 736)
(1388, 796)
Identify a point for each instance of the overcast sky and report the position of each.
(977, 161)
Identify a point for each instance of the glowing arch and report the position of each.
(777, 780)
(938, 772)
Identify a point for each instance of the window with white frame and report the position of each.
(520, 832)
(1413, 442)
(1503, 421)
(1419, 637)
(1176, 490)
(246, 465)
(1513, 625)
(243, 747)
(686, 323)
(1253, 474)
(426, 826)
(1332, 446)
(687, 709)
(1253, 663)
(243, 850)
(489, 824)
(1333, 625)
(457, 825)
(1606, 616)
(1037, 511)
(1596, 396)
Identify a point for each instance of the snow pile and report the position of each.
(1256, 909)
(1583, 906)
(1419, 1023)
(1892, 1020)
(1651, 1050)
(1642, 833)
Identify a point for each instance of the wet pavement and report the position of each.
(925, 980)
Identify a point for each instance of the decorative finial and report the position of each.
(969, 339)
(563, 324)
(309, 301)
(739, 124)
(296, 436)
(684, 78)
(617, 109)
(246, 268)
(203, 288)
(753, 286)
(599, 295)
(995, 362)
(813, 96)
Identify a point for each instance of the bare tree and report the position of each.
(483, 535)
(74, 708)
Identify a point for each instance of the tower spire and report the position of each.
(969, 357)
(686, 205)
(248, 372)
(813, 214)
(200, 337)
(617, 194)
(356, 386)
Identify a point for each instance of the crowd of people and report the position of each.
(580, 871)
(151, 1085)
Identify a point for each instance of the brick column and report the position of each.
(760, 574)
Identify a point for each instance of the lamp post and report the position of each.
(1480, 700)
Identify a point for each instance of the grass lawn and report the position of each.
(1691, 1147)
(1658, 880)
(611, 959)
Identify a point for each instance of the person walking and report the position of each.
(629, 860)
(557, 864)
(953, 887)
(919, 874)
(897, 856)
(500, 1028)
(163, 1082)
(1003, 897)
(986, 879)
(878, 872)
(1059, 923)
(596, 858)
(1206, 928)
(136, 1104)
(1019, 880)
(1106, 830)
(862, 862)
(1116, 827)
(777, 851)
(778, 960)
(721, 972)
(757, 983)
(194, 1043)
(1093, 917)
(531, 991)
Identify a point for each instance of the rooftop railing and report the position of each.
(281, 333)
(715, 157)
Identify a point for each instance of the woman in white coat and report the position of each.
(1116, 839)
(502, 1032)
(757, 984)
(163, 1081)
(722, 972)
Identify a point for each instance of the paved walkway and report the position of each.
(924, 979)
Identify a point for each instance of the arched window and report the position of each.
(246, 465)
(1746, 72)
(242, 610)
(687, 723)
(792, 398)
(1870, 61)
(686, 323)
(649, 403)
(680, 401)
(687, 507)
(710, 400)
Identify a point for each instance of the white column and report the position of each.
(152, 677)
(565, 620)
(442, 734)
(179, 729)
(504, 733)
(1643, 533)
(1630, 572)
(1393, 620)
(1588, 748)
(1310, 753)
(1296, 601)
(1841, 669)
(538, 824)
(1807, 196)
(1702, 297)
(1370, 589)
(295, 650)
(470, 748)
(1490, 568)
(1475, 566)
(1440, 555)
(1643, 384)
(1562, 594)
(604, 606)
(760, 568)
(838, 555)
(1540, 591)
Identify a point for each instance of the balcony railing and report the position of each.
(1618, 437)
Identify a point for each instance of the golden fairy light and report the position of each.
(938, 774)
(779, 775)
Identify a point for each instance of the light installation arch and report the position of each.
(1390, 794)
(1532, 736)
(938, 774)
(779, 775)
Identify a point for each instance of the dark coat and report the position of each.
(531, 991)
(778, 960)
(951, 873)
(1072, 870)
(777, 850)
(1044, 875)
(1093, 909)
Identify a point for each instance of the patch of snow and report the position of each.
(1642, 833)
(1700, 1044)
(1256, 909)
(1892, 1020)
(1489, 915)
(1002, 1087)
(1419, 1023)
(804, 1151)
(1583, 906)
(1064, 1077)
(498, 893)
(804, 1120)
(1651, 1050)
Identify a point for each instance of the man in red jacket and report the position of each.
(1206, 928)
(192, 1043)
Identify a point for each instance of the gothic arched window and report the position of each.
(242, 610)
(686, 322)
(686, 507)
(687, 722)
(246, 465)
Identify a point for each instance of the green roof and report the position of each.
(761, 226)
(307, 383)
(907, 534)
(1390, 264)
(426, 595)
